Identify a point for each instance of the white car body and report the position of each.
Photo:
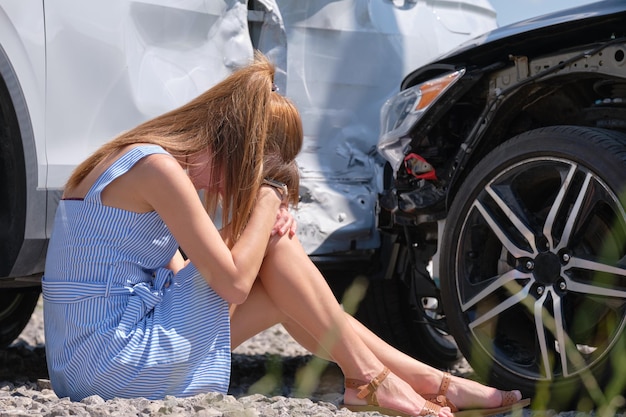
(79, 72)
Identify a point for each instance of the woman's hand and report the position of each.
(285, 222)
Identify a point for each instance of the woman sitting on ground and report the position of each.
(127, 316)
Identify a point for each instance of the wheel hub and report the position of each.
(547, 268)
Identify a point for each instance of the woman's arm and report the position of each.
(177, 262)
(166, 188)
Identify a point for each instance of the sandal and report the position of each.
(509, 402)
(367, 391)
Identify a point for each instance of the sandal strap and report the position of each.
(445, 383)
(508, 398)
(367, 390)
(430, 409)
(440, 398)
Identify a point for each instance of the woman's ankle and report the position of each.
(350, 397)
(426, 382)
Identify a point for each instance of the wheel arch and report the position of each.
(533, 106)
(23, 208)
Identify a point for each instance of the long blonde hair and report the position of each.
(284, 142)
(231, 120)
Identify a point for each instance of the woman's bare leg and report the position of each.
(295, 293)
(425, 379)
(256, 314)
(421, 377)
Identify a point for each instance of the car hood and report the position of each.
(533, 37)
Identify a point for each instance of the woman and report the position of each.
(126, 315)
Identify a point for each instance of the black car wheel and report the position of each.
(533, 268)
(393, 308)
(388, 311)
(16, 307)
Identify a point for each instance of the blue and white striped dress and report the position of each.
(117, 322)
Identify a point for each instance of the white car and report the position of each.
(75, 73)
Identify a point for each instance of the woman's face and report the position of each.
(200, 172)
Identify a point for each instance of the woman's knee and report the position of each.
(286, 248)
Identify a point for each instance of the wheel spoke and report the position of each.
(574, 214)
(497, 230)
(595, 289)
(564, 347)
(515, 220)
(556, 206)
(518, 294)
(500, 282)
(541, 335)
(564, 343)
(596, 266)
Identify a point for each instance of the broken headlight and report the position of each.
(400, 113)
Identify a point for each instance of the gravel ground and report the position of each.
(271, 376)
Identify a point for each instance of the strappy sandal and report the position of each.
(367, 391)
(509, 402)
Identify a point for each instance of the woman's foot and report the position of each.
(388, 394)
(465, 394)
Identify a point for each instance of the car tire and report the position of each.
(533, 271)
(387, 311)
(16, 307)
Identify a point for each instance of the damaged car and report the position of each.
(504, 201)
(73, 74)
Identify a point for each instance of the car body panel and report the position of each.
(110, 65)
(532, 37)
(86, 71)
